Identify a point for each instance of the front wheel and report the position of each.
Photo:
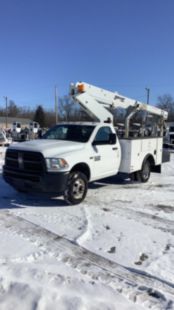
(77, 187)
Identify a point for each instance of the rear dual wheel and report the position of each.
(144, 174)
(145, 171)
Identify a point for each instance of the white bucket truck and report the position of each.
(70, 155)
(34, 127)
(33, 130)
(16, 126)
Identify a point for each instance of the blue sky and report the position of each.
(121, 45)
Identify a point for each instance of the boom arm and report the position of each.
(96, 101)
(93, 107)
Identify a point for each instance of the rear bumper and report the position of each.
(48, 183)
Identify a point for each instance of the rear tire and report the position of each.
(144, 173)
(136, 176)
(77, 187)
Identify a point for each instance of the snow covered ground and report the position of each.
(113, 251)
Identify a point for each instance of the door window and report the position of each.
(103, 135)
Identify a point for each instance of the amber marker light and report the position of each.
(81, 88)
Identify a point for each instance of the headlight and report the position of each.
(55, 164)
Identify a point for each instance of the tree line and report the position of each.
(69, 111)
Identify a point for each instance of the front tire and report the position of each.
(77, 187)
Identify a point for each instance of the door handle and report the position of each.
(115, 148)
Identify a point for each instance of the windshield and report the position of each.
(76, 133)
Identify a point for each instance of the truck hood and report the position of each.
(49, 148)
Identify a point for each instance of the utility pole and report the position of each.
(148, 94)
(6, 111)
(56, 105)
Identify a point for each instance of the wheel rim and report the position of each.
(78, 188)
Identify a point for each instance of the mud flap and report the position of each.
(156, 169)
(165, 155)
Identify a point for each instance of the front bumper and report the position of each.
(48, 182)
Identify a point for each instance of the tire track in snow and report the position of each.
(146, 219)
(139, 287)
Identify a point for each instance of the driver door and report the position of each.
(106, 154)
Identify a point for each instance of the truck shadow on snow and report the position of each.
(119, 179)
(10, 198)
(17, 200)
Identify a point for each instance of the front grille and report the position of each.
(25, 165)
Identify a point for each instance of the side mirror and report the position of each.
(112, 138)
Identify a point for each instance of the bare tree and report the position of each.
(50, 118)
(166, 102)
(13, 109)
(66, 108)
